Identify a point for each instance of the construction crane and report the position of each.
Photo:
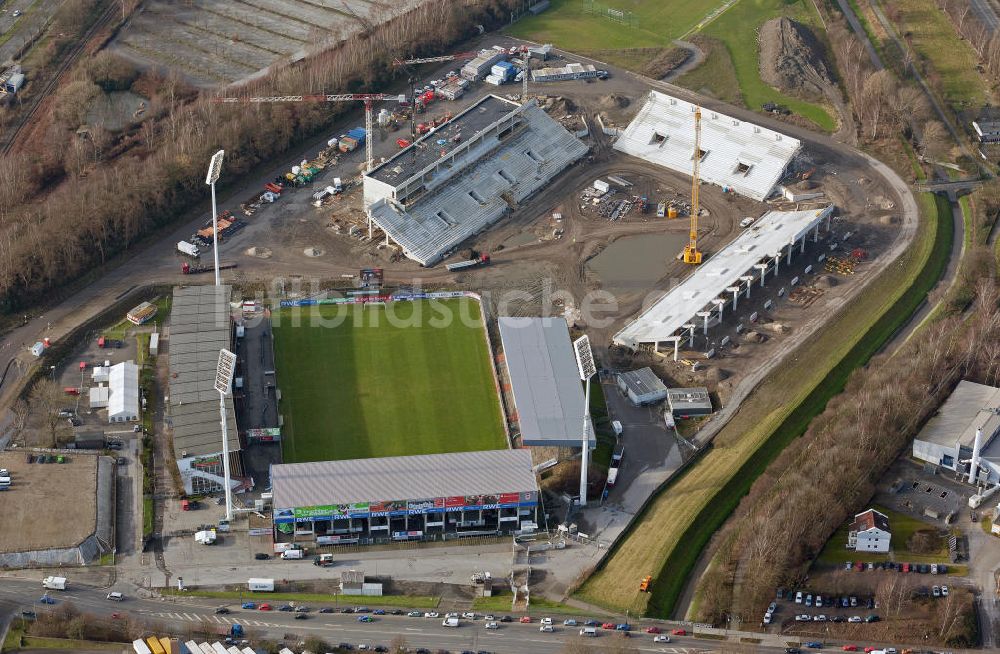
(691, 252)
(368, 98)
(431, 60)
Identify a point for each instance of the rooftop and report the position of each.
(689, 397)
(402, 478)
(722, 270)
(544, 380)
(869, 520)
(743, 156)
(199, 328)
(642, 381)
(970, 406)
(426, 150)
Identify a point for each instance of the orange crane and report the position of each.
(691, 252)
(367, 98)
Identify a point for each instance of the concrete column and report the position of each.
(802, 245)
(790, 246)
(815, 233)
(706, 315)
(690, 328)
(829, 221)
(762, 267)
(677, 341)
(719, 303)
(748, 280)
(777, 261)
(735, 290)
(369, 226)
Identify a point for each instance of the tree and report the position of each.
(44, 402)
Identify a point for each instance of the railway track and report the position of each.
(10, 135)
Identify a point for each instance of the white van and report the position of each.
(116, 597)
(617, 426)
(292, 554)
(449, 622)
(589, 632)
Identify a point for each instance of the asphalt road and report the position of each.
(180, 615)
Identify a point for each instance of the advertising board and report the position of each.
(267, 435)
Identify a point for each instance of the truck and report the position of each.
(260, 585)
(353, 139)
(188, 269)
(612, 477)
(205, 537)
(293, 554)
(54, 583)
(481, 260)
(189, 249)
(324, 560)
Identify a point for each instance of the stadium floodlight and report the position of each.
(214, 170)
(223, 381)
(587, 368)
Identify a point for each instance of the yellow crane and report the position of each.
(691, 252)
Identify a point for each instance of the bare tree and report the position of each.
(44, 402)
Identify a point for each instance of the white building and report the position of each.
(123, 392)
(869, 532)
(962, 435)
(642, 386)
(742, 156)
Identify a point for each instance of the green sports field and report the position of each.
(390, 380)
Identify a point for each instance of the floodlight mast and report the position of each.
(223, 382)
(214, 170)
(587, 367)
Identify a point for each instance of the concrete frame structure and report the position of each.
(464, 176)
(701, 298)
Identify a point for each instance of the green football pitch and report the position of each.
(375, 381)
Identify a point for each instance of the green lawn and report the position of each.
(382, 381)
(569, 23)
(716, 76)
(501, 604)
(903, 526)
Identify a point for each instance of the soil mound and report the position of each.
(613, 101)
(313, 252)
(791, 59)
(715, 375)
(259, 252)
(825, 281)
(754, 337)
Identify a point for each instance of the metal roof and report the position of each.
(199, 328)
(689, 398)
(642, 381)
(970, 406)
(748, 158)
(399, 478)
(544, 380)
(123, 396)
(679, 306)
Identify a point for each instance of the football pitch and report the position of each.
(361, 385)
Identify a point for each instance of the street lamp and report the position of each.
(214, 170)
(223, 381)
(585, 363)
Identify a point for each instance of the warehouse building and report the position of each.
(689, 402)
(738, 155)
(548, 398)
(642, 386)
(364, 501)
(962, 436)
(480, 66)
(567, 72)
(716, 286)
(120, 395)
(464, 176)
(200, 325)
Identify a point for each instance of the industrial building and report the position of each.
(688, 402)
(404, 498)
(699, 302)
(548, 397)
(737, 155)
(569, 71)
(200, 326)
(642, 386)
(461, 178)
(962, 436)
(121, 394)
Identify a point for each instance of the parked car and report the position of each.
(803, 617)
(286, 608)
(854, 601)
(492, 625)
(546, 628)
(262, 556)
(365, 618)
(432, 614)
(248, 605)
(809, 600)
(944, 591)
(661, 638)
(838, 618)
(855, 619)
(608, 625)
(850, 648)
(872, 618)
(525, 619)
(819, 618)
(264, 607)
(568, 623)
(678, 632)
(798, 597)
(543, 620)
(378, 612)
(653, 630)
(222, 610)
(814, 644)
(326, 609)
(506, 618)
(415, 614)
(301, 616)
(772, 607)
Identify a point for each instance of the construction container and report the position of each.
(601, 185)
(672, 212)
(494, 80)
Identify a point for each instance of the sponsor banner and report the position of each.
(336, 540)
(259, 531)
(420, 506)
(212, 461)
(406, 535)
(454, 502)
(510, 498)
(309, 512)
(268, 435)
(402, 296)
(296, 303)
(284, 515)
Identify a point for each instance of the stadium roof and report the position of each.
(199, 328)
(544, 380)
(772, 231)
(466, 188)
(397, 478)
(745, 157)
(970, 406)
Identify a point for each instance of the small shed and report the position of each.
(688, 402)
(154, 344)
(100, 374)
(352, 582)
(99, 396)
(642, 386)
(89, 440)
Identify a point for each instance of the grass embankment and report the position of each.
(501, 604)
(402, 601)
(716, 76)
(389, 380)
(737, 30)
(669, 536)
(903, 526)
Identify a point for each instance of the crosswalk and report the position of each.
(201, 617)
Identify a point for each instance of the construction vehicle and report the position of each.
(403, 143)
(189, 249)
(368, 98)
(692, 254)
(481, 260)
(647, 581)
(188, 269)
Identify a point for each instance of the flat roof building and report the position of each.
(685, 402)
(701, 298)
(200, 326)
(123, 392)
(742, 156)
(949, 439)
(405, 497)
(569, 71)
(544, 380)
(642, 386)
(461, 178)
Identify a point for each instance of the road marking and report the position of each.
(412, 629)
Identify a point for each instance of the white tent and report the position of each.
(123, 399)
